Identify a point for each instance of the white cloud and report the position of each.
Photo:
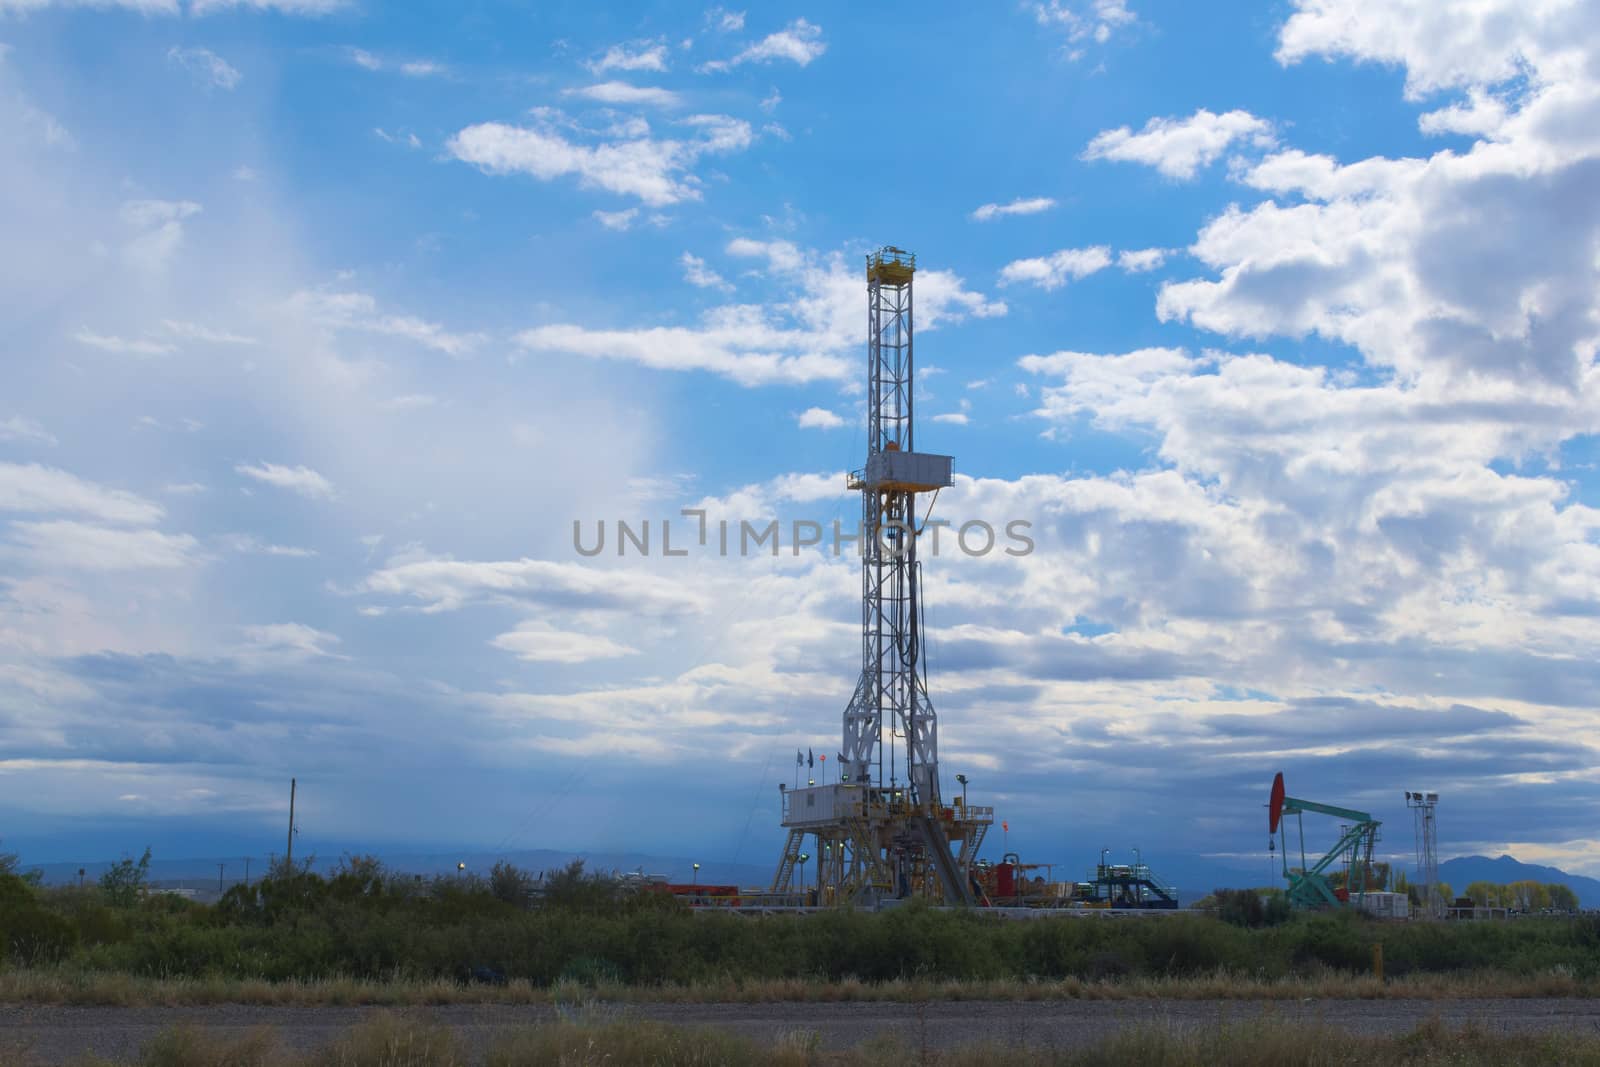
(210, 68)
(173, 7)
(47, 490)
(407, 138)
(1058, 268)
(143, 7)
(1083, 22)
(194, 331)
(724, 21)
(160, 223)
(799, 42)
(957, 418)
(443, 584)
(696, 273)
(245, 544)
(359, 311)
(632, 163)
(17, 428)
(409, 402)
(422, 68)
(1488, 44)
(623, 94)
(804, 338)
(1141, 260)
(639, 55)
(364, 59)
(1030, 206)
(616, 220)
(538, 643)
(71, 545)
(291, 640)
(286, 7)
(145, 214)
(819, 419)
(302, 480)
(1179, 148)
(123, 345)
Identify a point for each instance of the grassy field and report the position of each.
(391, 1042)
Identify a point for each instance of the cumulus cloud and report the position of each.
(1030, 206)
(621, 221)
(1084, 22)
(697, 274)
(800, 42)
(1426, 266)
(293, 640)
(1179, 148)
(302, 480)
(638, 55)
(622, 94)
(818, 419)
(724, 21)
(1058, 268)
(629, 162)
(538, 643)
(1141, 260)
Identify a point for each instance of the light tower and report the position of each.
(1422, 807)
(883, 829)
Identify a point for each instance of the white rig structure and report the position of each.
(883, 830)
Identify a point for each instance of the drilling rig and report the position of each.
(883, 831)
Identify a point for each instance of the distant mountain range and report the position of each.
(1464, 870)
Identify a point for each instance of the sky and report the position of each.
(325, 323)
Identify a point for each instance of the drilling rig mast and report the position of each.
(882, 831)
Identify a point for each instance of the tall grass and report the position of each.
(70, 987)
(391, 1042)
(351, 933)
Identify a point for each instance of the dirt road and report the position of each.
(57, 1035)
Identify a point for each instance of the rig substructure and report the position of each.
(883, 831)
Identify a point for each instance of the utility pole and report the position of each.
(288, 857)
(247, 872)
(220, 866)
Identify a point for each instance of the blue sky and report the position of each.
(322, 322)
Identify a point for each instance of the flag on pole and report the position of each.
(799, 758)
(811, 760)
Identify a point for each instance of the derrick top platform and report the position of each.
(891, 266)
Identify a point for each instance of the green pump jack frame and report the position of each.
(1309, 887)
